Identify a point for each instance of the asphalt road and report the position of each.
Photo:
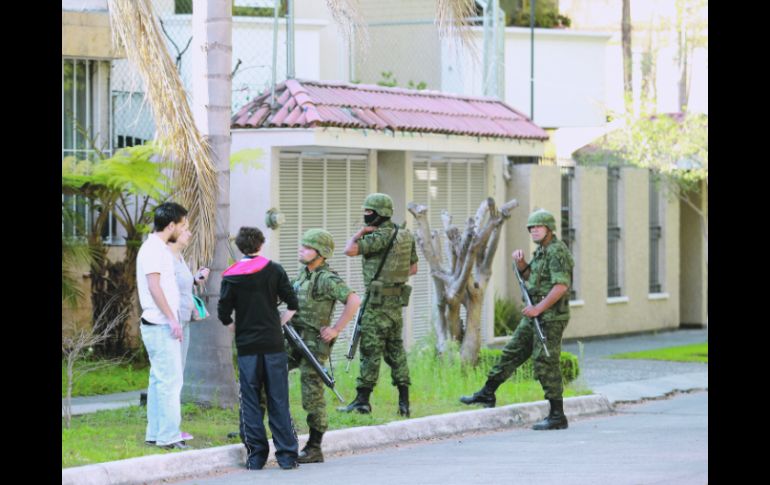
(655, 442)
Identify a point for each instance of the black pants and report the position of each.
(270, 371)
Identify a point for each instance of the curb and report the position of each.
(201, 462)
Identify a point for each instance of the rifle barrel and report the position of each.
(528, 300)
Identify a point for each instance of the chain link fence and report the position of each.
(253, 62)
(402, 53)
(405, 49)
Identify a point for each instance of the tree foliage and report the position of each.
(125, 185)
(674, 147)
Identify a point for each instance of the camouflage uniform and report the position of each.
(382, 321)
(550, 265)
(317, 292)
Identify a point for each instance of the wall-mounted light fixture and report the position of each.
(274, 218)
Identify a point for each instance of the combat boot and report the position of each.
(555, 419)
(403, 401)
(360, 403)
(485, 396)
(311, 453)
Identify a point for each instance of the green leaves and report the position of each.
(671, 146)
(131, 170)
(248, 158)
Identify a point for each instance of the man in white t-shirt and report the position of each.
(160, 327)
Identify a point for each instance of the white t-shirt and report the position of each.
(155, 257)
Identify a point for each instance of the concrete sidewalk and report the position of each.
(613, 381)
(92, 404)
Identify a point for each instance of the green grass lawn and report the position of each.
(107, 380)
(436, 387)
(683, 353)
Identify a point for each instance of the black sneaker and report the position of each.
(149, 443)
(290, 466)
(179, 445)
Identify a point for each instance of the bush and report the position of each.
(546, 14)
(570, 369)
(507, 316)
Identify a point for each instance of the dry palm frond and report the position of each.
(347, 16)
(135, 27)
(452, 19)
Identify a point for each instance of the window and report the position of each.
(457, 185)
(655, 239)
(613, 233)
(323, 190)
(247, 8)
(523, 160)
(85, 110)
(85, 127)
(567, 215)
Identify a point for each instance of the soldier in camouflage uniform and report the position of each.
(317, 287)
(549, 277)
(382, 321)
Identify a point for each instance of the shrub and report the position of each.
(507, 316)
(570, 369)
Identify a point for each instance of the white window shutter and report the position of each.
(457, 185)
(324, 191)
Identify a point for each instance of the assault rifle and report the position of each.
(356, 338)
(528, 301)
(297, 341)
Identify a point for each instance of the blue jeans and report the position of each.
(185, 342)
(164, 391)
(270, 371)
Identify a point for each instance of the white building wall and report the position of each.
(569, 75)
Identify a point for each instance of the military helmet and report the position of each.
(320, 240)
(382, 204)
(542, 217)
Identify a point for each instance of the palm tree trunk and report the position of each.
(209, 374)
(627, 57)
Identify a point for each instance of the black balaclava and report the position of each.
(371, 219)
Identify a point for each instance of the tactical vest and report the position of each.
(314, 310)
(396, 268)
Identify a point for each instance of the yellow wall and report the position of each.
(593, 313)
(694, 274)
(87, 34)
(80, 316)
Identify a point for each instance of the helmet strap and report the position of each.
(548, 237)
(311, 264)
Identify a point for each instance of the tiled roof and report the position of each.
(304, 104)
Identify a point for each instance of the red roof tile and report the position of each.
(303, 103)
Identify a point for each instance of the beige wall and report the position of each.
(593, 313)
(411, 52)
(534, 186)
(80, 316)
(394, 177)
(87, 34)
(694, 274)
(333, 54)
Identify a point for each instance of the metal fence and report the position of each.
(567, 211)
(655, 238)
(613, 233)
(254, 62)
(405, 49)
(85, 133)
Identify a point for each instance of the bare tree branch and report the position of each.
(79, 342)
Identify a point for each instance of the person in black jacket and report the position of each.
(252, 288)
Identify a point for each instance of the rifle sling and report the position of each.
(387, 252)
